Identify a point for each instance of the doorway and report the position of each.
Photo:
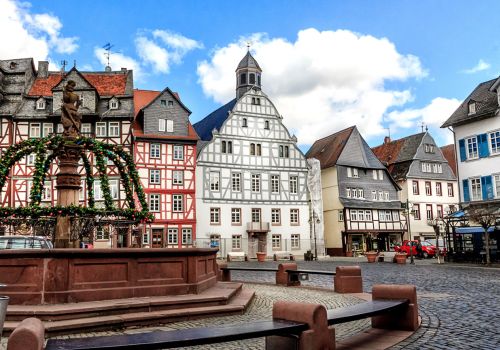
(157, 238)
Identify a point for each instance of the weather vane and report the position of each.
(107, 47)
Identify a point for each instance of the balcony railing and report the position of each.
(258, 227)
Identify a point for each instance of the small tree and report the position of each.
(487, 218)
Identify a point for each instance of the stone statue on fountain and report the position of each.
(70, 118)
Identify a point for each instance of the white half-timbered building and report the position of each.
(251, 190)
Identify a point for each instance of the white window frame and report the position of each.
(236, 242)
(113, 104)
(275, 184)
(154, 176)
(236, 182)
(386, 195)
(276, 216)
(146, 237)
(161, 125)
(114, 188)
(255, 183)
(40, 104)
(496, 182)
(374, 195)
(215, 216)
(294, 216)
(294, 184)
(380, 174)
(155, 150)
(98, 195)
(295, 241)
(172, 236)
(48, 128)
(374, 174)
(154, 203)
(473, 142)
(100, 129)
(214, 181)
(475, 183)
(170, 125)
(177, 203)
(178, 153)
(276, 241)
(177, 177)
(236, 216)
(30, 159)
(187, 236)
(494, 138)
(47, 191)
(114, 129)
(368, 215)
(355, 173)
(85, 129)
(35, 130)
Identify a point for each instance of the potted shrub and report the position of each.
(400, 258)
(371, 256)
(261, 256)
(348, 253)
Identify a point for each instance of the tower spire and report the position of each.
(248, 74)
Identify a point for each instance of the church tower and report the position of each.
(248, 75)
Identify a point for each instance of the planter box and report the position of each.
(261, 257)
(401, 258)
(371, 256)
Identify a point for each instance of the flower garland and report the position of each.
(116, 153)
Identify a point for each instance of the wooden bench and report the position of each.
(241, 256)
(294, 325)
(283, 256)
(303, 275)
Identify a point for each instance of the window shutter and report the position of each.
(161, 125)
(466, 190)
(487, 187)
(482, 141)
(463, 155)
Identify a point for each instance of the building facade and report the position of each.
(361, 201)
(476, 128)
(251, 189)
(31, 108)
(164, 144)
(429, 185)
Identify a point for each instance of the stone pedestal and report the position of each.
(68, 187)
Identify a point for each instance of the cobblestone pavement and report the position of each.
(457, 304)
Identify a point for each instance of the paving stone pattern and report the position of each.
(458, 305)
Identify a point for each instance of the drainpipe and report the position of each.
(456, 164)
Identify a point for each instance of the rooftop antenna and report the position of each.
(74, 63)
(422, 126)
(107, 54)
(388, 131)
(64, 63)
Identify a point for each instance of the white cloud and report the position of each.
(322, 82)
(163, 49)
(31, 35)
(433, 115)
(118, 60)
(480, 66)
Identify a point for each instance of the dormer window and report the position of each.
(40, 104)
(472, 107)
(113, 103)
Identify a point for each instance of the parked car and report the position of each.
(442, 245)
(428, 250)
(25, 242)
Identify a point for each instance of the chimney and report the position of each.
(387, 140)
(43, 69)
(124, 69)
(107, 69)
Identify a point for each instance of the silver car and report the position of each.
(25, 242)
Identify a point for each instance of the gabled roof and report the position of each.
(106, 83)
(328, 149)
(248, 62)
(486, 105)
(213, 121)
(450, 156)
(398, 151)
(174, 94)
(143, 98)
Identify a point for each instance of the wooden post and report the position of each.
(68, 187)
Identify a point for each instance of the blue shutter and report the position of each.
(466, 190)
(463, 155)
(487, 187)
(482, 141)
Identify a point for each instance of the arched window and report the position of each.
(223, 147)
(229, 146)
(252, 149)
(266, 125)
(252, 78)
(243, 78)
(245, 122)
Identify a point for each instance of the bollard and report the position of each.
(28, 335)
(282, 277)
(406, 320)
(348, 279)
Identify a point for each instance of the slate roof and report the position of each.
(213, 121)
(486, 105)
(106, 83)
(248, 62)
(365, 204)
(450, 156)
(328, 149)
(143, 97)
(397, 151)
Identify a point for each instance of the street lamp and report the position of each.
(436, 224)
(313, 221)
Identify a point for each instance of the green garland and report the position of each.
(116, 153)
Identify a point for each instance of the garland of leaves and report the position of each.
(42, 166)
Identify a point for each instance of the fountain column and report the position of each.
(68, 190)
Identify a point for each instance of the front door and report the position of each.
(157, 238)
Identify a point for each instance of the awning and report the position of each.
(457, 214)
(474, 229)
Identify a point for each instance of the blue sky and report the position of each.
(327, 64)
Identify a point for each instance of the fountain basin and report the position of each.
(59, 276)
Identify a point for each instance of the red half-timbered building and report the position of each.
(164, 147)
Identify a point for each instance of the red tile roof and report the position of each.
(450, 156)
(106, 84)
(328, 149)
(142, 98)
(388, 152)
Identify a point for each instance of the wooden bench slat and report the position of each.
(313, 272)
(364, 310)
(181, 337)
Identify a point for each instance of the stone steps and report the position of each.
(223, 299)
